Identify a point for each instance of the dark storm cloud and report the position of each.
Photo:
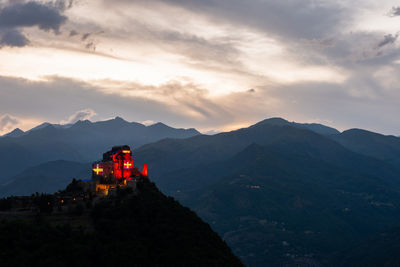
(46, 17)
(18, 15)
(388, 39)
(13, 37)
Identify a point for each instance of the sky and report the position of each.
(215, 65)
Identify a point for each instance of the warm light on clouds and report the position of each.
(9, 123)
(213, 66)
(78, 65)
(152, 66)
(92, 68)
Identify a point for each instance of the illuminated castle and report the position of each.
(116, 170)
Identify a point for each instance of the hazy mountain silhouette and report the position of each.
(48, 177)
(384, 147)
(170, 157)
(45, 124)
(17, 132)
(83, 141)
(315, 127)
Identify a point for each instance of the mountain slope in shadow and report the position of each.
(140, 228)
(383, 147)
(48, 177)
(189, 156)
(276, 204)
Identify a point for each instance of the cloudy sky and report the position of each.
(209, 64)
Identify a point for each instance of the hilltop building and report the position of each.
(115, 170)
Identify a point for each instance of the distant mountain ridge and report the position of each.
(17, 132)
(384, 147)
(170, 157)
(315, 127)
(47, 177)
(83, 141)
(46, 124)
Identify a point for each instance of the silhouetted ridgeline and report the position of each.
(143, 228)
(80, 142)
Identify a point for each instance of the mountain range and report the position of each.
(280, 193)
(285, 193)
(83, 141)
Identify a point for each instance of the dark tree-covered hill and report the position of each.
(383, 249)
(144, 229)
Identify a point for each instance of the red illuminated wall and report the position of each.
(117, 164)
(123, 164)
